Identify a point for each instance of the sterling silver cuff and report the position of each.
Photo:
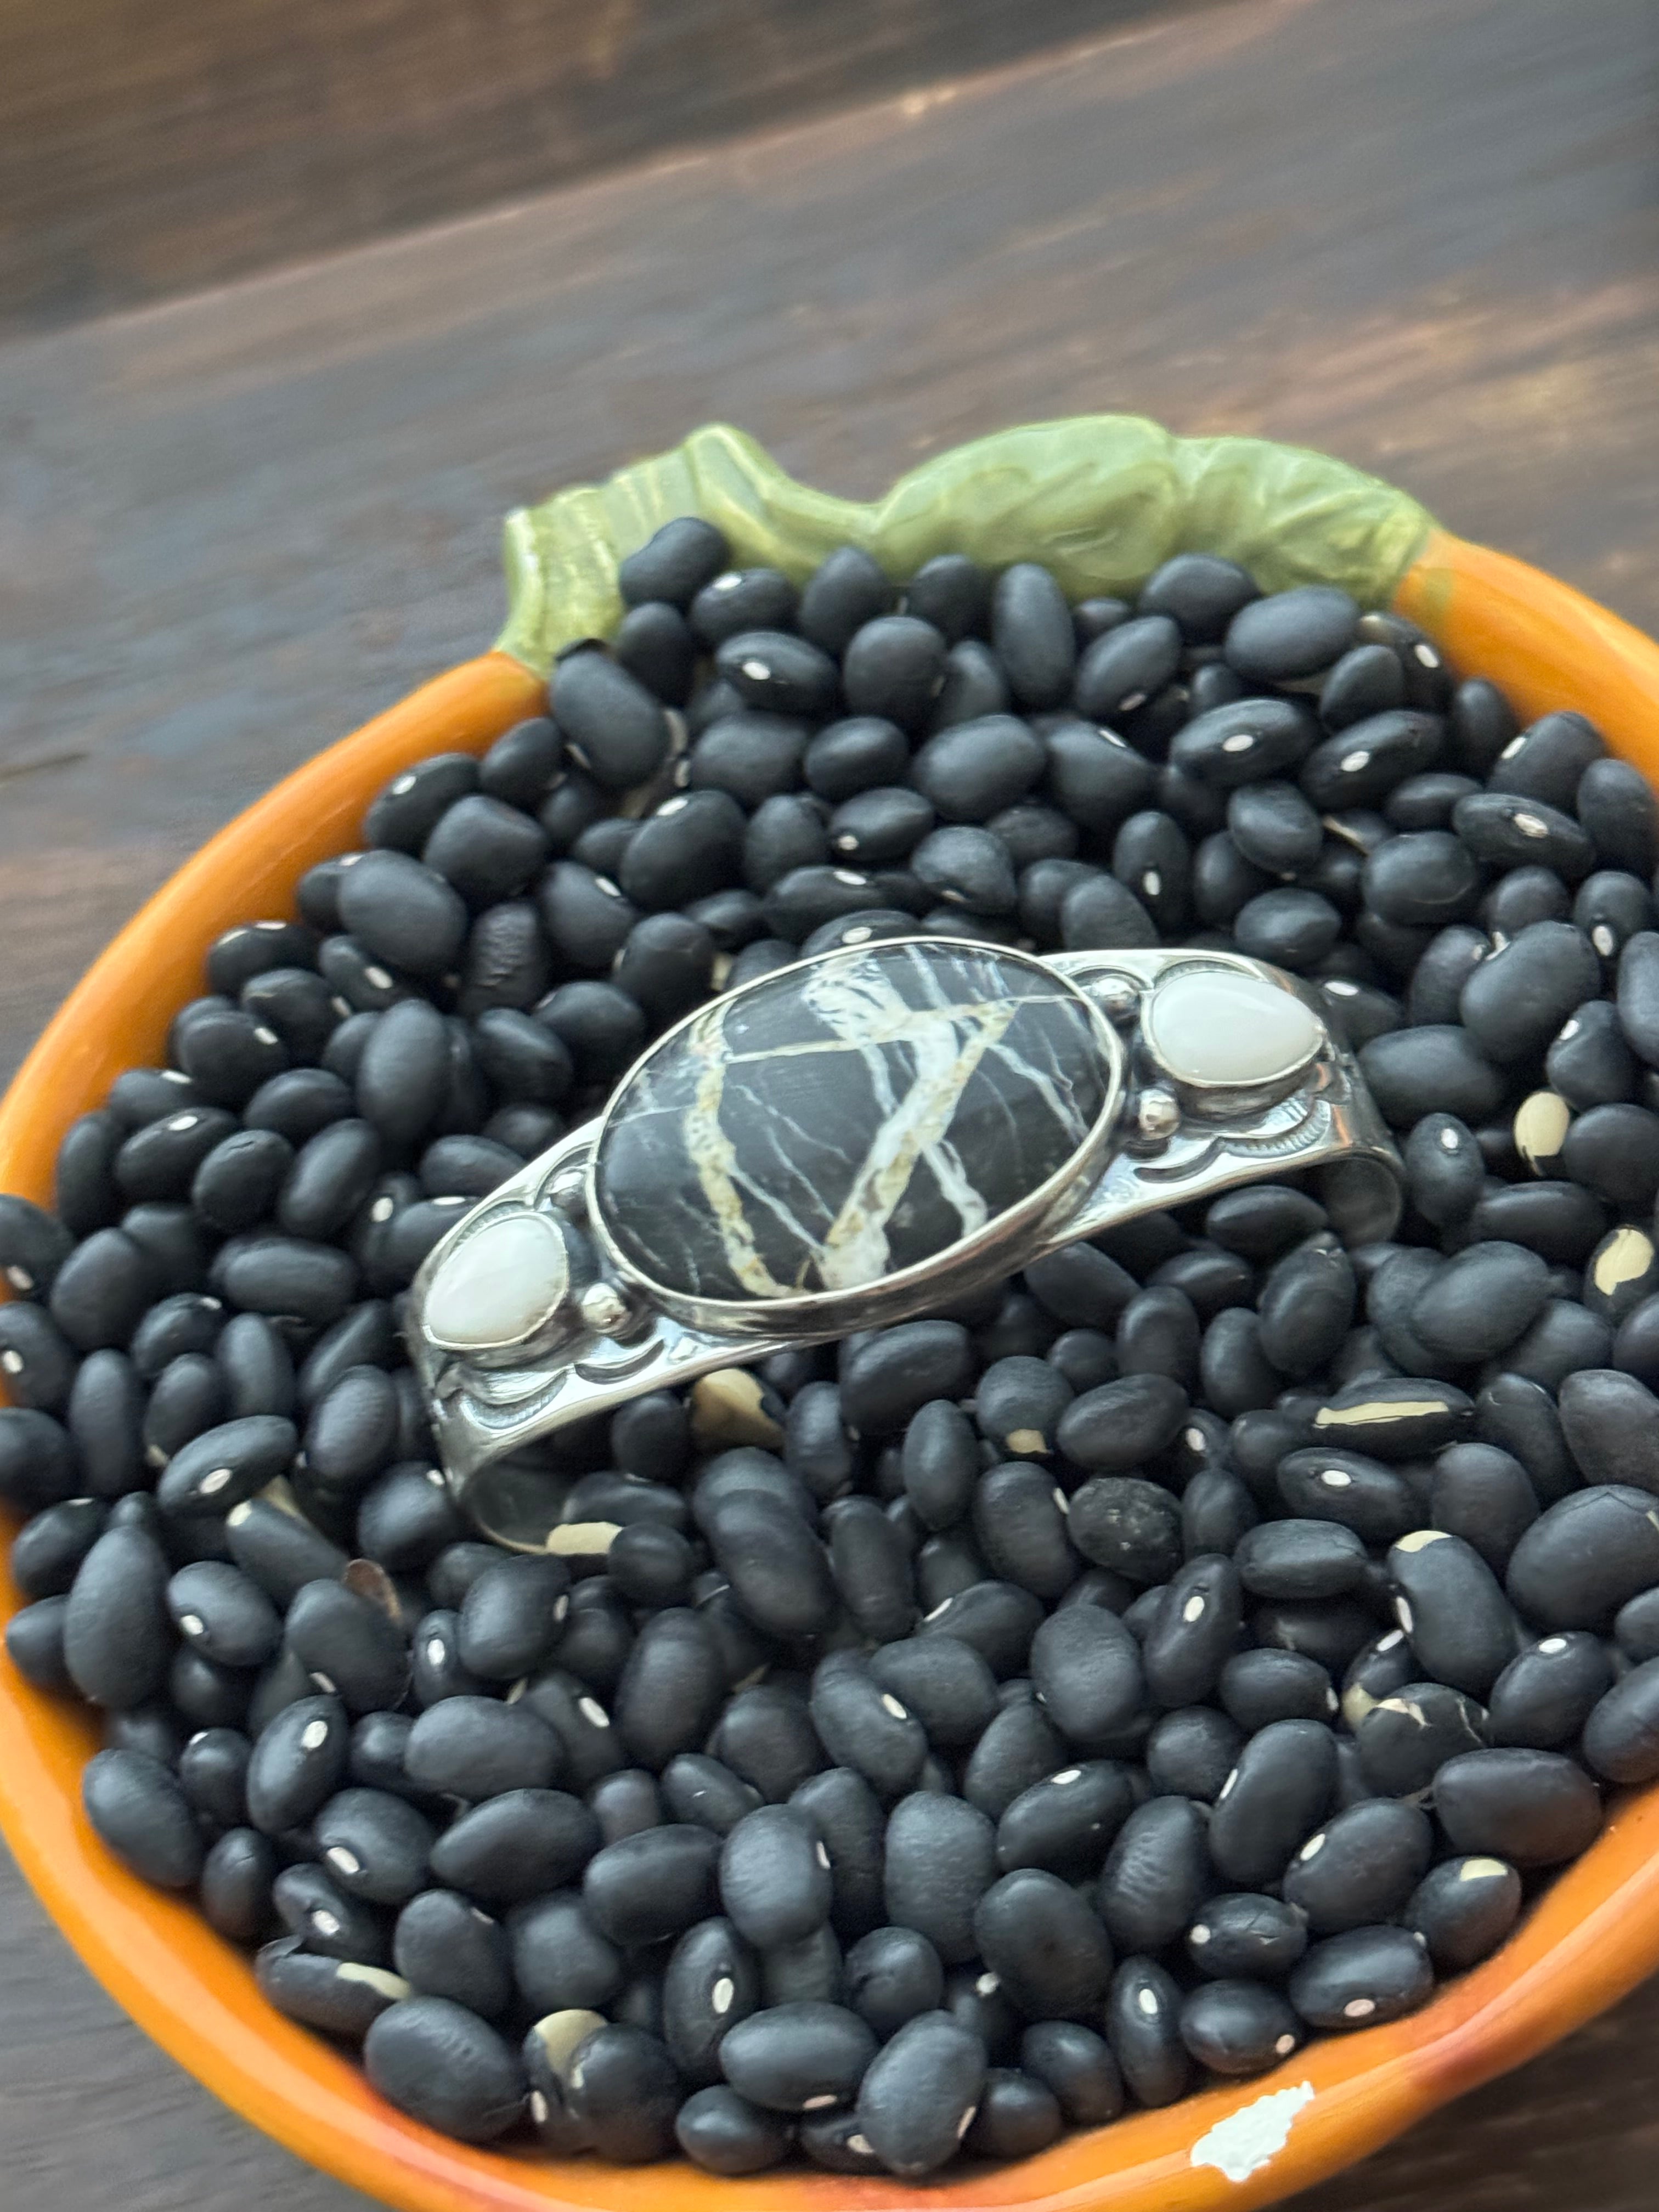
(855, 1140)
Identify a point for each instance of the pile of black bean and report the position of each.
(970, 1730)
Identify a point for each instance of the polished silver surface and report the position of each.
(1212, 1069)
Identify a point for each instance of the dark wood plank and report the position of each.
(230, 527)
(149, 147)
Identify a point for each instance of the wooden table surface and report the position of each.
(1424, 235)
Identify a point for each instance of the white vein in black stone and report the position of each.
(833, 1125)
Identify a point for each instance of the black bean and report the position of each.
(1290, 634)
(1063, 1821)
(1407, 1738)
(47, 1551)
(1300, 1559)
(1126, 666)
(1238, 2027)
(706, 1793)
(1033, 830)
(1451, 1607)
(1614, 803)
(1280, 1790)
(187, 1400)
(723, 2133)
(673, 564)
(235, 1898)
(1361, 1867)
(1291, 928)
(1156, 1873)
(37, 1361)
(973, 770)
(335, 1994)
(138, 1808)
(1131, 1526)
(520, 1844)
(375, 1845)
(651, 1884)
(1585, 1556)
(33, 1246)
(1423, 880)
(86, 1193)
(280, 1552)
(975, 684)
(1190, 1752)
(257, 1368)
(1396, 1418)
(1608, 1420)
(1533, 1807)
(118, 1639)
(1621, 1736)
(893, 665)
(775, 1879)
(1548, 758)
(511, 1617)
(560, 1959)
(1031, 630)
(790, 2058)
(1509, 831)
(711, 1982)
(1546, 1693)
(1019, 1524)
(223, 1615)
(1142, 2023)
(1018, 2115)
(213, 1775)
(445, 2067)
(1463, 1909)
(349, 1646)
(1247, 1935)
(444, 1947)
(613, 725)
(943, 1681)
(1482, 1494)
(1273, 827)
(474, 1747)
(1087, 1669)
(521, 767)
(920, 2094)
(940, 1859)
(1426, 801)
(403, 913)
(296, 1104)
(1196, 1630)
(485, 849)
(1361, 1977)
(299, 1761)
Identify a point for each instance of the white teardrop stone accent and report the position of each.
(1216, 1028)
(499, 1284)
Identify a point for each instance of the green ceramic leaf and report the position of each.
(1102, 500)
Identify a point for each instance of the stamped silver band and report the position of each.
(855, 1140)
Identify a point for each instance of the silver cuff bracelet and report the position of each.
(854, 1140)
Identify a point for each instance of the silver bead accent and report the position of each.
(569, 1192)
(1117, 996)
(1158, 1116)
(604, 1309)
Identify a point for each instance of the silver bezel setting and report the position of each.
(972, 1260)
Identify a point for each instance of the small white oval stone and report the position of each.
(1211, 1026)
(499, 1284)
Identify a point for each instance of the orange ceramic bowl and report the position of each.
(1591, 1938)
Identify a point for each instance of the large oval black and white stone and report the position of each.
(835, 1123)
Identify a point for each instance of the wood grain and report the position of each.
(1423, 236)
(149, 147)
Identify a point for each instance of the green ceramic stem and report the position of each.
(1100, 499)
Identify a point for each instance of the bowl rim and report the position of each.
(1589, 1939)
